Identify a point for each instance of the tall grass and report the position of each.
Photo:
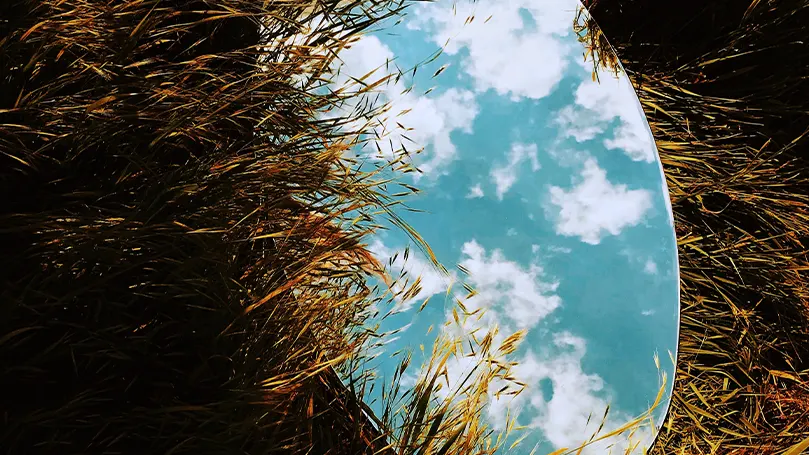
(180, 273)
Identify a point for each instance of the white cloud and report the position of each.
(640, 260)
(475, 192)
(598, 103)
(428, 121)
(511, 297)
(432, 120)
(594, 207)
(432, 281)
(516, 297)
(579, 124)
(362, 56)
(576, 395)
(504, 177)
(505, 54)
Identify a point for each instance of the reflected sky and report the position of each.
(546, 186)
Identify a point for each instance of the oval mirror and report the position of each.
(543, 194)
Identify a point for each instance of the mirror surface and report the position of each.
(546, 187)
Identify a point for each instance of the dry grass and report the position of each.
(176, 279)
(724, 86)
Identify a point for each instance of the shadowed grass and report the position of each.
(179, 270)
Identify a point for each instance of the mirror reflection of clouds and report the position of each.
(546, 187)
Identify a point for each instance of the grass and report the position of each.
(174, 278)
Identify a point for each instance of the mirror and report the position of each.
(543, 184)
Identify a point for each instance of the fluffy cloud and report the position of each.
(506, 54)
(575, 407)
(432, 120)
(511, 297)
(362, 56)
(504, 177)
(416, 266)
(595, 207)
(564, 417)
(597, 105)
(516, 297)
(475, 191)
(411, 121)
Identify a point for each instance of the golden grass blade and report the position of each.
(798, 448)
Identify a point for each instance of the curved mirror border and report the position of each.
(545, 187)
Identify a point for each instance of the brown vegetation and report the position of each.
(168, 212)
